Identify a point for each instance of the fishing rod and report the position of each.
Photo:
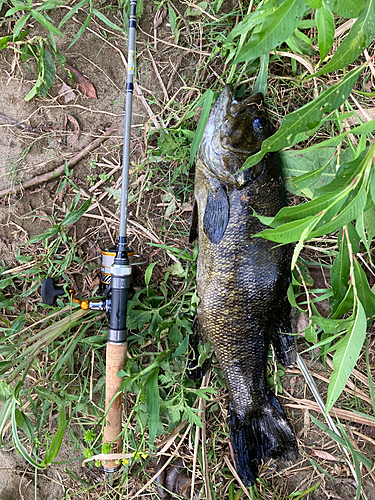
(120, 279)
(115, 283)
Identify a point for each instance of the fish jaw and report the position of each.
(235, 130)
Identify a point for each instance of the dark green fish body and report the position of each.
(242, 281)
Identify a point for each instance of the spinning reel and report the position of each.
(50, 291)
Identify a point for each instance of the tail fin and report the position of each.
(262, 433)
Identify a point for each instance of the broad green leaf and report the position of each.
(307, 117)
(346, 356)
(309, 209)
(345, 176)
(75, 215)
(345, 234)
(276, 28)
(19, 25)
(4, 42)
(326, 29)
(153, 405)
(310, 333)
(21, 449)
(54, 447)
(18, 6)
(365, 128)
(331, 326)
(359, 37)
(208, 99)
(340, 272)
(24, 423)
(44, 22)
(314, 4)
(365, 295)
(249, 22)
(337, 310)
(175, 335)
(49, 71)
(346, 8)
(299, 46)
(148, 272)
(306, 171)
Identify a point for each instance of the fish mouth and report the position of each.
(228, 106)
(238, 108)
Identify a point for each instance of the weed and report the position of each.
(327, 164)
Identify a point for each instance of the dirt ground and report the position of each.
(25, 154)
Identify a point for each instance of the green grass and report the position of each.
(57, 373)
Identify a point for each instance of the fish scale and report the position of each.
(242, 280)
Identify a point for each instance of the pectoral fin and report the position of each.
(216, 215)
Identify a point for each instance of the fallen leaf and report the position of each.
(76, 128)
(65, 94)
(83, 83)
(159, 17)
(324, 455)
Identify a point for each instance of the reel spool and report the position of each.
(107, 257)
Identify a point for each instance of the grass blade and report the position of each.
(153, 404)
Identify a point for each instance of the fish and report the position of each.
(242, 280)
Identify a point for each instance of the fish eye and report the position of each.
(258, 124)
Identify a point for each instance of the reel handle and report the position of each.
(50, 291)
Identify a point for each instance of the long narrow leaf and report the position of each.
(55, 445)
(361, 457)
(22, 450)
(360, 36)
(346, 356)
(44, 22)
(276, 28)
(326, 29)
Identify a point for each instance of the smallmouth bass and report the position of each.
(242, 281)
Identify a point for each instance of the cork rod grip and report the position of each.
(115, 361)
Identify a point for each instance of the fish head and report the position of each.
(235, 130)
(245, 125)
